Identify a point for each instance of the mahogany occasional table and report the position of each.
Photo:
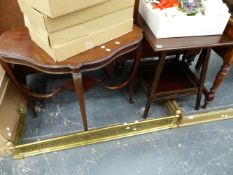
(16, 47)
(166, 81)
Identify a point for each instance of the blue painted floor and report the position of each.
(205, 149)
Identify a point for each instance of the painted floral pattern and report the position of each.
(191, 6)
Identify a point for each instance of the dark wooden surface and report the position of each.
(183, 43)
(16, 47)
(179, 44)
(171, 76)
(10, 15)
(32, 55)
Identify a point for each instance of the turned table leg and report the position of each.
(228, 60)
(77, 79)
(217, 82)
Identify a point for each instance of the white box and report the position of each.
(181, 26)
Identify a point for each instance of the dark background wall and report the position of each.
(10, 15)
(229, 4)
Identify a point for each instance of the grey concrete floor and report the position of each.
(205, 149)
(198, 150)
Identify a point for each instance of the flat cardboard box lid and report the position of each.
(80, 45)
(56, 8)
(81, 30)
(75, 18)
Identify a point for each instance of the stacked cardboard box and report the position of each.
(66, 28)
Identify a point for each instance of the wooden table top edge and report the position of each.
(15, 58)
(148, 34)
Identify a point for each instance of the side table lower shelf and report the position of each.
(176, 80)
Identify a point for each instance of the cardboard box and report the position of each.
(79, 45)
(81, 30)
(3, 84)
(55, 8)
(56, 24)
(181, 26)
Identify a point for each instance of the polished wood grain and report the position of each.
(10, 15)
(32, 55)
(16, 47)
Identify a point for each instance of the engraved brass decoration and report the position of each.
(176, 119)
(17, 136)
(20, 127)
(92, 136)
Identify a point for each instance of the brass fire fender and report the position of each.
(176, 119)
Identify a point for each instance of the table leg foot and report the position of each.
(131, 101)
(131, 87)
(77, 78)
(147, 109)
(217, 82)
(134, 73)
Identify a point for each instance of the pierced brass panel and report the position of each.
(20, 127)
(93, 136)
(177, 119)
